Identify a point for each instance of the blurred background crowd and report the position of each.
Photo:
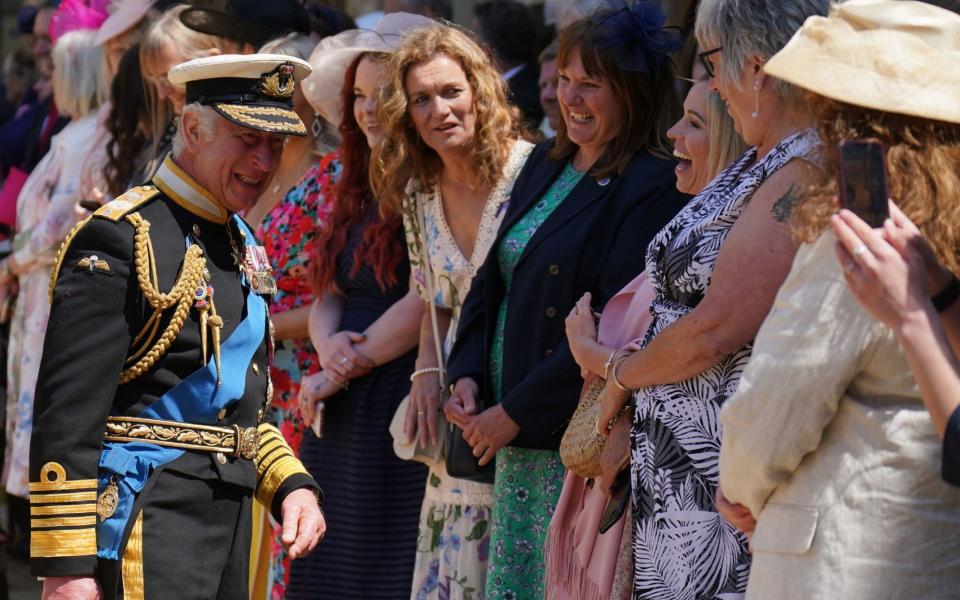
(594, 244)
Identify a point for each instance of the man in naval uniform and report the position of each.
(148, 443)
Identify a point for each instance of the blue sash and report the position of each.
(196, 399)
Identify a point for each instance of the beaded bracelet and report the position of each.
(423, 371)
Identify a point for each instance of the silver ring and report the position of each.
(861, 249)
(343, 360)
(420, 413)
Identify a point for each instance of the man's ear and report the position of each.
(192, 131)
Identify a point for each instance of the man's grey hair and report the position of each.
(744, 28)
(207, 118)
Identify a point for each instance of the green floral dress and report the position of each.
(528, 482)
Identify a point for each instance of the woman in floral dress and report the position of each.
(453, 230)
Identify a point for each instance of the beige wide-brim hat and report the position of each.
(334, 55)
(897, 56)
(126, 14)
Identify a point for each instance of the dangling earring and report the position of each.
(756, 97)
(316, 128)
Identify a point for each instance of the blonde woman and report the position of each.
(452, 184)
(168, 42)
(46, 210)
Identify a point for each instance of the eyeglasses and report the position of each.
(707, 65)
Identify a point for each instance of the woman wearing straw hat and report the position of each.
(827, 441)
(364, 325)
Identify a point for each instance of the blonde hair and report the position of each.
(168, 30)
(923, 172)
(726, 145)
(78, 86)
(403, 155)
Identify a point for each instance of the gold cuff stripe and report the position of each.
(58, 543)
(266, 428)
(87, 521)
(52, 486)
(66, 497)
(269, 449)
(132, 566)
(278, 473)
(265, 466)
(66, 509)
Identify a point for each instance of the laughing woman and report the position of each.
(581, 212)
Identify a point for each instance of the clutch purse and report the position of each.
(432, 455)
(581, 445)
(461, 462)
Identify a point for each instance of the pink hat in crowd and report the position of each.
(334, 55)
(77, 14)
(124, 14)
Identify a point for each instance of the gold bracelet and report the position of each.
(608, 364)
(613, 374)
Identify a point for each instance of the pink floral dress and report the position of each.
(288, 234)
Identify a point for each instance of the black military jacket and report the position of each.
(98, 310)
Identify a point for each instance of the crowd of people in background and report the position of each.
(566, 308)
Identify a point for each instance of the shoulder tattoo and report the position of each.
(783, 207)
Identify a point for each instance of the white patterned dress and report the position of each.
(683, 549)
(454, 540)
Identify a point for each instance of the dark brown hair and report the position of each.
(648, 101)
(923, 166)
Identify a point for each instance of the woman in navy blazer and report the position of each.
(617, 100)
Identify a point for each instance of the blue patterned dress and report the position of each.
(528, 482)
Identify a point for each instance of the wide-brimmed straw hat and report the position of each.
(334, 55)
(251, 90)
(124, 14)
(897, 56)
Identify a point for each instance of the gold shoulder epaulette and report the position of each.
(127, 202)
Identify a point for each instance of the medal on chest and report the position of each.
(259, 273)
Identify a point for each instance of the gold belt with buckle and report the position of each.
(241, 442)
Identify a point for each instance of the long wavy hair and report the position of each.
(127, 122)
(381, 246)
(923, 166)
(403, 155)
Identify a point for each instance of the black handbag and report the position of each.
(461, 462)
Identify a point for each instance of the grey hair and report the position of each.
(207, 118)
(744, 28)
(77, 83)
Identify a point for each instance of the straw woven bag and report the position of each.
(581, 446)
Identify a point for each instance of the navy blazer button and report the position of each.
(551, 312)
(554, 269)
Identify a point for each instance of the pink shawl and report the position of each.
(581, 563)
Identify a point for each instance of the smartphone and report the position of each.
(863, 180)
(617, 504)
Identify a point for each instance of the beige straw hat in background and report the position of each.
(897, 56)
(334, 55)
(124, 14)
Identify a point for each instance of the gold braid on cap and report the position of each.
(181, 295)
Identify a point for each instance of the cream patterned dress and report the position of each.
(454, 540)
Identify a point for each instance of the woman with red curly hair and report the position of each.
(365, 327)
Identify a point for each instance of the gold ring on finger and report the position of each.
(859, 250)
